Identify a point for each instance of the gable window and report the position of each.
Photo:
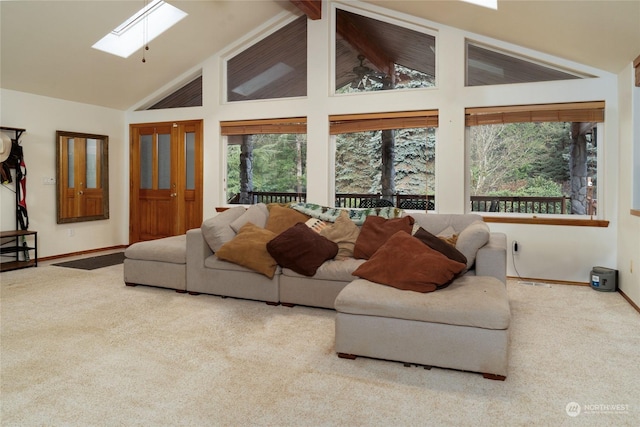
(266, 160)
(491, 66)
(385, 159)
(539, 159)
(274, 67)
(373, 55)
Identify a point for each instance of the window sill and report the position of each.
(635, 212)
(548, 221)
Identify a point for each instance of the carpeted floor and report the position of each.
(79, 348)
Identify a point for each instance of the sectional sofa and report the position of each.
(463, 324)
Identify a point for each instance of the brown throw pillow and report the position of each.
(375, 231)
(435, 242)
(249, 249)
(404, 262)
(282, 218)
(301, 249)
(344, 233)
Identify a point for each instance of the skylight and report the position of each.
(142, 27)
(491, 4)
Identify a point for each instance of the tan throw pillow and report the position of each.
(282, 218)
(375, 231)
(301, 249)
(249, 249)
(404, 262)
(344, 233)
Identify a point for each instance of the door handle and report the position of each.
(173, 194)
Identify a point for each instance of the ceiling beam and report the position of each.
(311, 8)
(349, 31)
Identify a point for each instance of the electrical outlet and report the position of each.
(516, 246)
(48, 181)
(70, 232)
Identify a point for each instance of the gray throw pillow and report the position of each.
(472, 238)
(217, 231)
(256, 214)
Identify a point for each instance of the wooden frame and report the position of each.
(76, 204)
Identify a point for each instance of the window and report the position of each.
(385, 159)
(539, 159)
(491, 66)
(373, 55)
(266, 160)
(189, 95)
(274, 67)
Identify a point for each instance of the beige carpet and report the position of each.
(80, 349)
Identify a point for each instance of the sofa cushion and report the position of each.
(214, 262)
(344, 233)
(339, 271)
(375, 231)
(169, 249)
(471, 239)
(404, 262)
(216, 230)
(476, 301)
(255, 214)
(249, 249)
(434, 242)
(301, 249)
(282, 218)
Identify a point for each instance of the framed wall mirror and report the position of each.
(82, 169)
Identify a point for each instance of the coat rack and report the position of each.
(14, 242)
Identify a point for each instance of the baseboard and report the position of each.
(90, 251)
(553, 282)
(629, 300)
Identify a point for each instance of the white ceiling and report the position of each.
(46, 45)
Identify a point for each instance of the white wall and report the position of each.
(628, 262)
(41, 117)
(546, 251)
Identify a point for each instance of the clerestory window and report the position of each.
(373, 55)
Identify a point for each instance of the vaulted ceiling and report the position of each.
(45, 46)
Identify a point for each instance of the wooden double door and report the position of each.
(165, 192)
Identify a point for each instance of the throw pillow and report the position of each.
(256, 214)
(472, 238)
(375, 231)
(216, 230)
(249, 249)
(344, 233)
(301, 249)
(449, 235)
(282, 218)
(404, 262)
(436, 243)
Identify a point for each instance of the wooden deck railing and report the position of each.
(509, 204)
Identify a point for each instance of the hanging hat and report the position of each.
(5, 147)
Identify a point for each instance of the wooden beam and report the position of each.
(311, 8)
(348, 30)
(636, 66)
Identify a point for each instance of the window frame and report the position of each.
(588, 111)
(350, 123)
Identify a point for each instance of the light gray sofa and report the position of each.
(463, 326)
(210, 275)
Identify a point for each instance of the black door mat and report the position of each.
(94, 262)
